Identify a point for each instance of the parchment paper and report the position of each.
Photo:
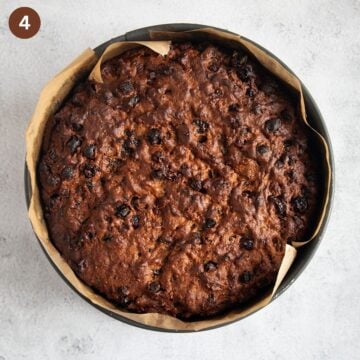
(51, 98)
(115, 49)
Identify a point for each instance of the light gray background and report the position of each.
(318, 318)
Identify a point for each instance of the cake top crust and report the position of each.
(174, 186)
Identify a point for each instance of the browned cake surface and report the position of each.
(174, 186)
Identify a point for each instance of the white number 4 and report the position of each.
(24, 23)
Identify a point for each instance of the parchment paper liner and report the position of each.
(51, 98)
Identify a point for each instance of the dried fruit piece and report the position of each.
(89, 170)
(209, 223)
(89, 151)
(67, 173)
(243, 73)
(262, 149)
(154, 136)
(76, 126)
(209, 266)
(134, 100)
(73, 144)
(202, 126)
(234, 107)
(157, 174)
(300, 204)
(126, 87)
(130, 143)
(154, 287)
(202, 139)
(272, 125)
(280, 205)
(122, 210)
(246, 277)
(107, 237)
(213, 67)
(135, 221)
(195, 184)
(247, 243)
(250, 92)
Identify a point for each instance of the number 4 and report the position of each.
(24, 22)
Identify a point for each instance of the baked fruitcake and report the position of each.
(174, 185)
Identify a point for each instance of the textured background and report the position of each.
(318, 318)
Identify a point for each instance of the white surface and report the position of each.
(317, 318)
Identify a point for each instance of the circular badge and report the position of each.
(24, 22)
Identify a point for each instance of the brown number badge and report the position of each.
(24, 22)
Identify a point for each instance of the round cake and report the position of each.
(174, 186)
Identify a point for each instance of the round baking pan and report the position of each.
(315, 119)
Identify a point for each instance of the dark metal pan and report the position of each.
(305, 253)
